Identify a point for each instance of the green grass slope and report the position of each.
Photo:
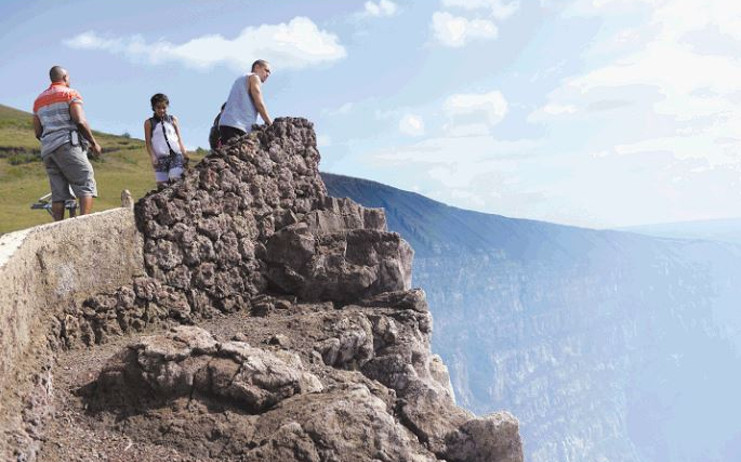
(124, 165)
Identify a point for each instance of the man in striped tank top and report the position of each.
(59, 123)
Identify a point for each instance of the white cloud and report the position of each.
(297, 44)
(460, 194)
(490, 107)
(655, 107)
(557, 109)
(552, 110)
(674, 17)
(381, 8)
(599, 7)
(342, 110)
(466, 130)
(499, 9)
(323, 141)
(704, 146)
(687, 98)
(456, 31)
(412, 125)
(467, 153)
(653, 110)
(671, 67)
(476, 172)
(677, 18)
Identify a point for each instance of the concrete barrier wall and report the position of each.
(47, 268)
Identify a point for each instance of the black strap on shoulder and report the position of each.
(155, 120)
(152, 123)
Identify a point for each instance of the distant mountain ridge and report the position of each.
(724, 230)
(434, 228)
(607, 345)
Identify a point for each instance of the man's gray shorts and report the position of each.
(68, 168)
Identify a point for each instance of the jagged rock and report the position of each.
(353, 345)
(347, 423)
(404, 299)
(385, 331)
(431, 413)
(226, 211)
(342, 267)
(280, 340)
(126, 200)
(189, 360)
(493, 437)
(317, 247)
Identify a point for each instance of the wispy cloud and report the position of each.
(380, 8)
(297, 44)
(323, 141)
(551, 111)
(342, 110)
(667, 80)
(654, 104)
(498, 8)
(457, 31)
(412, 125)
(457, 153)
(489, 107)
(477, 172)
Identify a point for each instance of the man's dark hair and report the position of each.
(57, 73)
(159, 98)
(259, 62)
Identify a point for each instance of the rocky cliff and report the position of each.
(606, 345)
(274, 322)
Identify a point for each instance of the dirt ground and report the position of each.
(74, 433)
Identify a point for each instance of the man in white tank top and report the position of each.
(245, 102)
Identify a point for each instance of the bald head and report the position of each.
(57, 74)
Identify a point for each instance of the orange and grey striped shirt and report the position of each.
(52, 109)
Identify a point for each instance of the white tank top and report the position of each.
(159, 145)
(240, 111)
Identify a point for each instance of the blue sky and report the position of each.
(596, 113)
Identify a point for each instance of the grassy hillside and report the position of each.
(124, 165)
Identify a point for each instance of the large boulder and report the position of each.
(187, 360)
